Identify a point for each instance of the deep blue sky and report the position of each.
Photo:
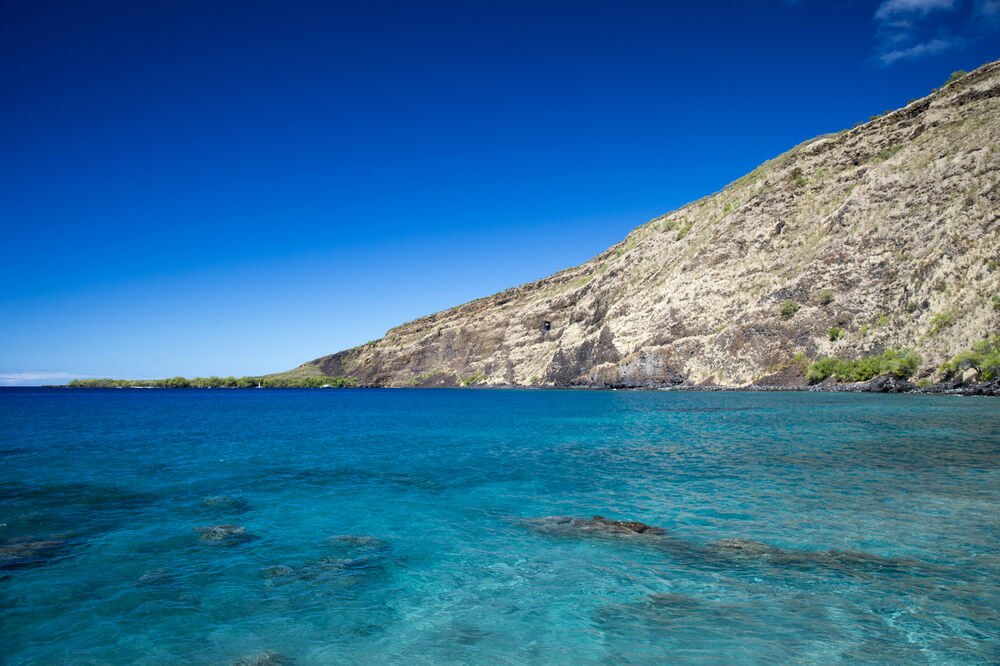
(234, 188)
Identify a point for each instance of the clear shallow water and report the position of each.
(442, 486)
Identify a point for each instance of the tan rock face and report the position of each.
(889, 232)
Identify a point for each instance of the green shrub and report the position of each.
(835, 333)
(821, 369)
(477, 378)
(898, 363)
(984, 358)
(881, 320)
(825, 297)
(911, 307)
(955, 76)
(887, 153)
(788, 308)
(996, 302)
(940, 321)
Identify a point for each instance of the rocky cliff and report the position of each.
(882, 236)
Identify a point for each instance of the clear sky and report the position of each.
(237, 187)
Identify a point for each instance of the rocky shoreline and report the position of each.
(881, 384)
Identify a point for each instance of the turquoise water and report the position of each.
(402, 527)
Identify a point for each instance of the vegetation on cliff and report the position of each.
(901, 364)
(983, 359)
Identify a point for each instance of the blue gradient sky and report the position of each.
(233, 188)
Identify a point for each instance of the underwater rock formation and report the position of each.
(228, 535)
(27, 554)
(599, 525)
(356, 558)
(725, 552)
(226, 503)
(266, 658)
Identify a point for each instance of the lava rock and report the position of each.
(598, 525)
(229, 535)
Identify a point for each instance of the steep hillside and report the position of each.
(889, 232)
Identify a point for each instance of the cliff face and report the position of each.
(889, 231)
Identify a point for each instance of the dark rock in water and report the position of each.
(859, 561)
(226, 503)
(357, 558)
(229, 535)
(676, 602)
(350, 563)
(468, 635)
(267, 658)
(155, 577)
(596, 525)
(887, 384)
(357, 542)
(726, 552)
(328, 570)
(746, 548)
(278, 571)
(847, 561)
(27, 554)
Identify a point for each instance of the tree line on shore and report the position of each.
(264, 381)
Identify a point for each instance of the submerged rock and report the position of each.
(27, 554)
(277, 571)
(229, 535)
(266, 658)
(356, 541)
(748, 550)
(226, 503)
(725, 552)
(596, 525)
(656, 612)
(358, 557)
(155, 577)
(326, 569)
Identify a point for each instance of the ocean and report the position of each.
(456, 527)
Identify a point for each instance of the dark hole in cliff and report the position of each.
(546, 326)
